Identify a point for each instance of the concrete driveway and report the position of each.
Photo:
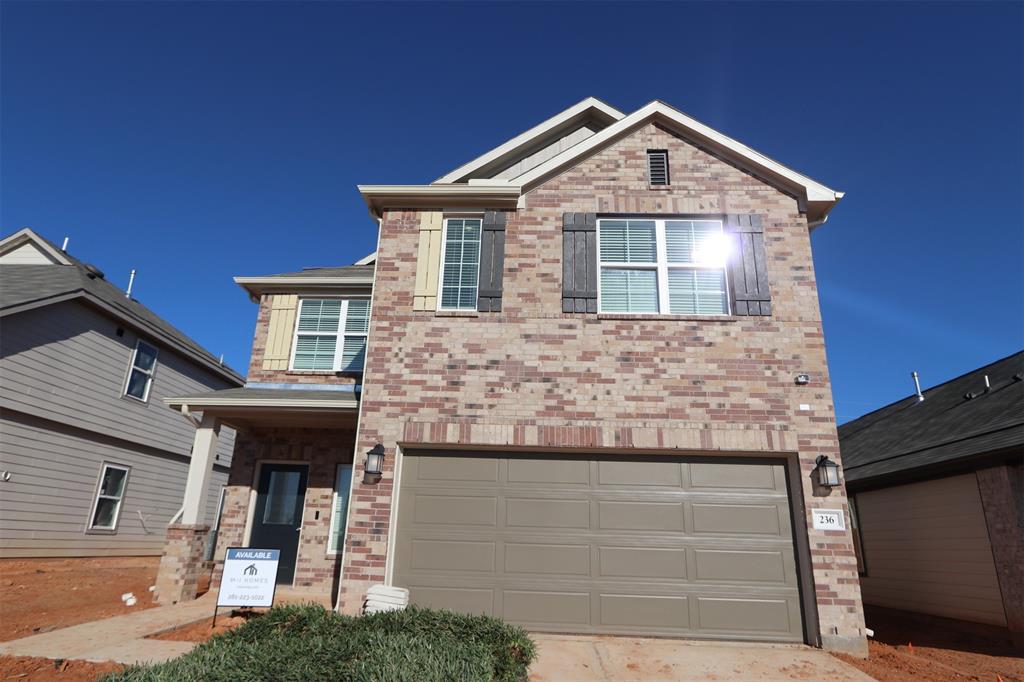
(571, 658)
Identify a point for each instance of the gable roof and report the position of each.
(28, 286)
(813, 197)
(591, 109)
(26, 237)
(943, 430)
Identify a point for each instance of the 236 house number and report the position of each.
(828, 519)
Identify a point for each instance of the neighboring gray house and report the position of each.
(936, 485)
(92, 462)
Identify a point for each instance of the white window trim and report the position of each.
(338, 333)
(89, 527)
(444, 251)
(149, 373)
(340, 549)
(661, 266)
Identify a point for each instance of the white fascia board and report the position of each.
(26, 235)
(428, 196)
(815, 191)
(300, 281)
(529, 136)
(366, 260)
(285, 403)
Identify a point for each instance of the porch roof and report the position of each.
(272, 406)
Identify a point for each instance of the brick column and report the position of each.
(181, 563)
(1002, 496)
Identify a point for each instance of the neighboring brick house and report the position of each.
(596, 368)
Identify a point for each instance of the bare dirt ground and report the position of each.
(930, 649)
(39, 669)
(204, 630)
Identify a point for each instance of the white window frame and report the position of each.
(340, 549)
(150, 374)
(444, 251)
(661, 266)
(339, 333)
(89, 526)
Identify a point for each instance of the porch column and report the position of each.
(182, 561)
(1002, 497)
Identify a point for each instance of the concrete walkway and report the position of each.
(622, 659)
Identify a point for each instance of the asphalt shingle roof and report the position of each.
(25, 284)
(946, 427)
(341, 272)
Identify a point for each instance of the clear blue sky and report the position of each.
(198, 141)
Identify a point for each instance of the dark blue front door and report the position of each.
(277, 520)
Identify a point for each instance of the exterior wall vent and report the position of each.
(657, 166)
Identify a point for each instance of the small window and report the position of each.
(339, 508)
(662, 266)
(331, 335)
(107, 507)
(140, 376)
(657, 166)
(460, 271)
(858, 543)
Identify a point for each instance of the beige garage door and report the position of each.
(665, 546)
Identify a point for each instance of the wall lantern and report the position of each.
(827, 471)
(374, 466)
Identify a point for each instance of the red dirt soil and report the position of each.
(202, 630)
(39, 669)
(931, 649)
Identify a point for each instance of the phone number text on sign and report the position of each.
(828, 519)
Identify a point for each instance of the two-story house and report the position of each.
(92, 462)
(594, 397)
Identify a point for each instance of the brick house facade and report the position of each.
(567, 387)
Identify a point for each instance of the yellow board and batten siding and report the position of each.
(283, 308)
(428, 261)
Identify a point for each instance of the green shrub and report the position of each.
(310, 643)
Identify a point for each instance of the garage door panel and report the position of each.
(641, 516)
(644, 611)
(548, 472)
(641, 562)
(445, 469)
(743, 566)
(650, 473)
(547, 559)
(673, 546)
(546, 513)
(752, 519)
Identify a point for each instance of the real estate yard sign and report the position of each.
(249, 578)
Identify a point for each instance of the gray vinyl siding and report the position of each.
(65, 362)
(45, 506)
(552, 149)
(62, 374)
(927, 549)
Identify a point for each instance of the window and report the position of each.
(662, 266)
(657, 166)
(339, 508)
(460, 264)
(140, 376)
(331, 334)
(107, 507)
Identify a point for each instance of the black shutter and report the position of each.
(492, 262)
(748, 267)
(579, 262)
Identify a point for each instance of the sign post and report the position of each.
(249, 578)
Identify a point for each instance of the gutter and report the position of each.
(379, 197)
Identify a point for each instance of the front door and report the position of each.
(277, 521)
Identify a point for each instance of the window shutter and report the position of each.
(579, 262)
(428, 260)
(279, 331)
(748, 267)
(492, 262)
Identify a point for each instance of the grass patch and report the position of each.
(309, 642)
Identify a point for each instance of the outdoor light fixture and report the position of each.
(827, 470)
(374, 464)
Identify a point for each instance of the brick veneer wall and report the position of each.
(177, 578)
(324, 449)
(533, 376)
(259, 344)
(1002, 497)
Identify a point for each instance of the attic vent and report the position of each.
(93, 272)
(657, 166)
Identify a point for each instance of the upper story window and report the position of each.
(657, 166)
(106, 508)
(331, 334)
(662, 266)
(140, 374)
(460, 264)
